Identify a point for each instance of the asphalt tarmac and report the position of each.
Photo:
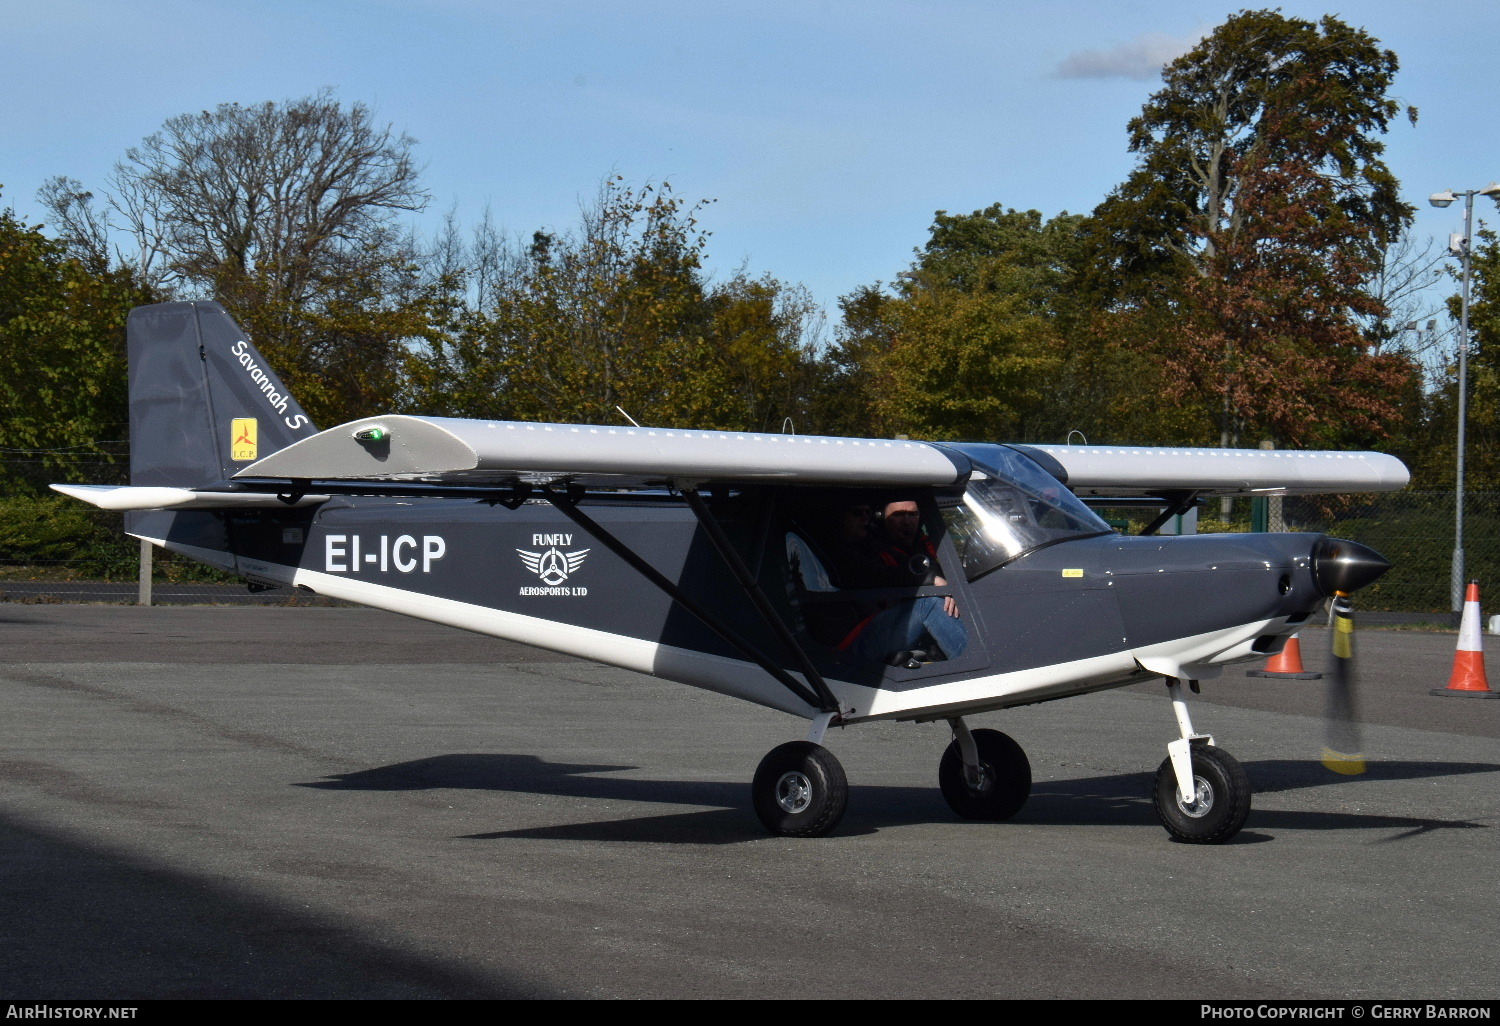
(340, 803)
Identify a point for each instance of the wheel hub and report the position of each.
(1203, 800)
(794, 792)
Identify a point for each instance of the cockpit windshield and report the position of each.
(1012, 506)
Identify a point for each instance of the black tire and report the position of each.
(1224, 793)
(800, 790)
(1006, 782)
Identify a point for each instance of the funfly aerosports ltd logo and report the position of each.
(552, 565)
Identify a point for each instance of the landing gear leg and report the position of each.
(1202, 795)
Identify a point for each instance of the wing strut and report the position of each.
(1178, 502)
(713, 623)
(753, 591)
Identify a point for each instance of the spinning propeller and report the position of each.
(1341, 567)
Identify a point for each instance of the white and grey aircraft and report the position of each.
(990, 584)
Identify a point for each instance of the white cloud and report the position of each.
(1141, 58)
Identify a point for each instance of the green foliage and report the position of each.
(62, 352)
(990, 335)
(1414, 530)
(763, 334)
(849, 386)
(346, 356)
(38, 530)
(620, 316)
(969, 364)
(50, 537)
(997, 251)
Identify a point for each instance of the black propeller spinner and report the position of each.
(1344, 566)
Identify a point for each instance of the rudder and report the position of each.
(203, 401)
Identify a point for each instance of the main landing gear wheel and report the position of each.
(1004, 781)
(1220, 803)
(800, 790)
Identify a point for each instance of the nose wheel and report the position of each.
(800, 790)
(1218, 806)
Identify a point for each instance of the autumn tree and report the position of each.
(986, 336)
(765, 337)
(1258, 215)
(287, 214)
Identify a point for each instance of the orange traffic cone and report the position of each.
(1286, 664)
(1469, 680)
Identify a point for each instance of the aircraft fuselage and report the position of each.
(1069, 617)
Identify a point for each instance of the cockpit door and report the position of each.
(859, 616)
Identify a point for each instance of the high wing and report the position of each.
(459, 453)
(456, 452)
(1122, 470)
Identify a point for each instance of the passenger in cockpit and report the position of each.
(900, 631)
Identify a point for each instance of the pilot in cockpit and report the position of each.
(904, 543)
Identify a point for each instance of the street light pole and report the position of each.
(1462, 251)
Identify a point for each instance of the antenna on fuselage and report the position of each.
(626, 415)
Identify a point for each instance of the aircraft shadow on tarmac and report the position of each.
(1111, 800)
(93, 922)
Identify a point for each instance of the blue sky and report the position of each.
(828, 132)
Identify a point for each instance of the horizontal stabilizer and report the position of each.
(130, 497)
(453, 451)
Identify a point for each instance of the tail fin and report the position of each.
(203, 402)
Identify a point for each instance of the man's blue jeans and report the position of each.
(900, 628)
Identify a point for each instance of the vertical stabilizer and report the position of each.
(203, 402)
